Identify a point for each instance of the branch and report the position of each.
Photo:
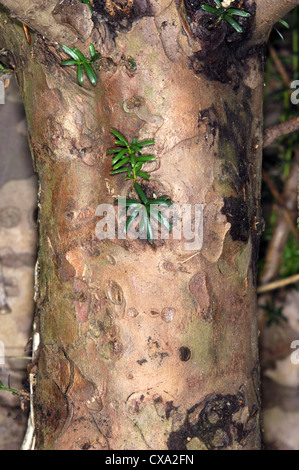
(281, 230)
(278, 284)
(273, 133)
(47, 20)
(280, 67)
(268, 13)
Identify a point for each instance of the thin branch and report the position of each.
(280, 67)
(268, 13)
(280, 130)
(281, 230)
(277, 284)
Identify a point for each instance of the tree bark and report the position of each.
(145, 347)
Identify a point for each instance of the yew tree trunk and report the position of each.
(145, 346)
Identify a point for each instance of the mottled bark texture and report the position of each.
(145, 347)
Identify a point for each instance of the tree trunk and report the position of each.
(145, 346)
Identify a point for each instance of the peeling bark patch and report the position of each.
(120, 14)
(236, 212)
(73, 13)
(220, 42)
(114, 293)
(213, 422)
(199, 288)
(81, 300)
(104, 333)
(168, 408)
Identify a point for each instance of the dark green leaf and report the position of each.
(121, 170)
(234, 24)
(143, 174)
(284, 23)
(79, 54)
(80, 74)
(234, 11)
(218, 3)
(92, 50)
(121, 163)
(145, 158)
(132, 158)
(90, 73)
(70, 52)
(160, 218)
(119, 155)
(113, 151)
(70, 62)
(144, 221)
(96, 57)
(132, 218)
(149, 231)
(120, 143)
(119, 136)
(210, 9)
(140, 193)
(138, 166)
(160, 202)
(145, 142)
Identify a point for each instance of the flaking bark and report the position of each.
(145, 347)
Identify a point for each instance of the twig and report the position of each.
(280, 130)
(190, 257)
(277, 284)
(281, 229)
(279, 66)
